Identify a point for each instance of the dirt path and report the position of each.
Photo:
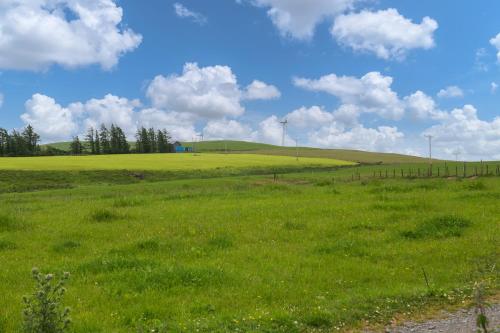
(463, 321)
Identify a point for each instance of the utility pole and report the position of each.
(284, 123)
(430, 152)
(297, 148)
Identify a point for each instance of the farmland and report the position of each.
(238, 249)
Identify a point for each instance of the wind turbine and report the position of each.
(284, 123)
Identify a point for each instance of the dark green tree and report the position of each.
(104, 138)
(76, 146)
(91, 141)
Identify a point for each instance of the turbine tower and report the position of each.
(284, 123)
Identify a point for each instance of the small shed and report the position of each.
(179, 148)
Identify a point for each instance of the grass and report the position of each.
(304, 253)
(167, 162)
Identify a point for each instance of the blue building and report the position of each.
(179, 148)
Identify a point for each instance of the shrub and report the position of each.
(43, 311)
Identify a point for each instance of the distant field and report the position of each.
(171, 162)
(266, 149)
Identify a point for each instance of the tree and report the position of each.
(97, 142)
(163, 141)
(76, 146)
(90, 139)
(4, 139)
(31, 139)
(104, 139)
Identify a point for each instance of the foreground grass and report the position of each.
(172, 162)
(250, 254)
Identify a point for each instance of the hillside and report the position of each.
(236, 147)
(340, 154)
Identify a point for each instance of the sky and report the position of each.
(361, 74)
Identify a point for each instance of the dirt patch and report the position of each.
(463, 321)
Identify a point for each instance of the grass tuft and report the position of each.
(103, 215)
(65, 246)
(7, 245)
(439, 227)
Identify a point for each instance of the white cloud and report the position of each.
(385, 33)
(422, 106)
(370, 93)
(495, 41)
(39, 33)
(208, 92)
(299, 18)
(270, 131)
(227, 130)
(494, 87)
(462, 129)
(183, 12)
(110, 110)
(260, 90)
(311, 117)
(383, 138)
(51, 120)
(451, 92)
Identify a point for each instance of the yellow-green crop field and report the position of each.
(167, 162)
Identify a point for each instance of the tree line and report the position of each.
(114, 141)
(15, 143)
(105, 140)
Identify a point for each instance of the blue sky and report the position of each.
(375, 75)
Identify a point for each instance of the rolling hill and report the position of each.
(238, 147)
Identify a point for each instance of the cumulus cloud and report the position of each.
(298, 18)
(209, 92)
(37, 34)
(312, 117)
(225, 129)
(383, 138)
(370, 93)
(462, 129)
(180, 125)
(183, 12)
(422, 106)
(385, 33)
(260, 90)
(270, 131)
(52, 121)
(451, 92)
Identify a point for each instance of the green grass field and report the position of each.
(172, 162)
(244, 253)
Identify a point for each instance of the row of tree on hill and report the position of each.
(15, 143)
(104, 140)
(114, 141)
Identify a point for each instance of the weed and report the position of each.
(43, 311)
(148, 245)
(480, 305)
(220, 242)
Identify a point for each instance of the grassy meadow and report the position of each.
(311, 251)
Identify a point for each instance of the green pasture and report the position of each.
(310, 251)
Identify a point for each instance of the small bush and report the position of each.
(439, 227)
(43, 311)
